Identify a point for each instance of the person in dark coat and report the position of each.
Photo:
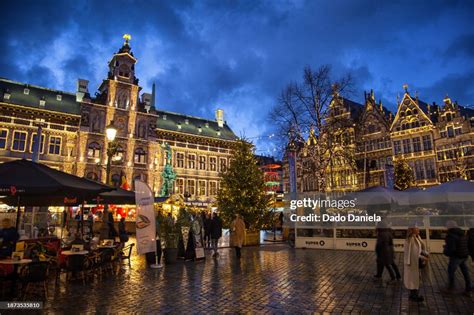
(456, 248)
(470, 239)
(207, 230)
(122, 231)
(110, 223)
(216, 232)
(385, 252)
(9, 236)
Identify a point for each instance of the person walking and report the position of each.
(207, 230)
(415, 257)
(123, 236)
(237, 234)
(470, 239)
(216, 232)
(90, 221)
(385, 252)
(456, 248)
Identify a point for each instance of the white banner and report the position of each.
(145, 224)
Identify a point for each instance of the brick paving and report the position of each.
(268, 279)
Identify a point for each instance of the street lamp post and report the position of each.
(111, 133)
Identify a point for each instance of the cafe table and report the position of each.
(70, 252)
(15, 263)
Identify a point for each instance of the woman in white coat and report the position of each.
(414, 251)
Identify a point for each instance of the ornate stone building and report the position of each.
(73, 132)
(363, 141)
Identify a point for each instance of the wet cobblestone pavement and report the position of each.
(269, 279)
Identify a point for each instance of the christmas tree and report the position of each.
(403, 175)
(242, 189)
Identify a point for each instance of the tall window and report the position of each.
(430, 169)
(202, 188)
(54, 145)
(3, 138)
(406, 146)
(93, 150)
(180, 186)
(223, 165)
(427, 144)
(202, 162)
(140, 156)
(180, 160)
(416, 144)
(118, 157)
(191, 189)
(419, 170)
(19, 141)
(34, 138)
(212, 188)
(213, 164)
(191, 161)
(397, 148)
(450, 131)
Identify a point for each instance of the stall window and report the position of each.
(3, 138)
(19, 141)
(54, 145)
(33, 143)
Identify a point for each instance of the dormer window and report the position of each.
(164, 117)
(199, 129)
(59, 97)
(42, 102)
(179, 126)
(218, 133)
(207, 125)
(26, 91)
(6, 95)
(186, 121)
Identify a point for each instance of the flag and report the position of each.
(123, 181)
(145, 218)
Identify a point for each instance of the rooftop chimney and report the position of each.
(220, 117)
(82, 89)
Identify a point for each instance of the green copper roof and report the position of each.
(209, 128)
(67, 104)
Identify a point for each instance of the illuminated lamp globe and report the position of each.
(111, 131)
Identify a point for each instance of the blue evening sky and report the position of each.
(238, 55)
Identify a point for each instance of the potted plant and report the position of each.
(170, 238)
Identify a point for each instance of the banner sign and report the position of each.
(197, 232)
(145, 222)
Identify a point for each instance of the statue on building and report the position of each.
(168, 173)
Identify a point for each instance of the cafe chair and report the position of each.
(76, 267)
(34, 276)
(126, 252)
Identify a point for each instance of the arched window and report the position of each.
(93, 150)
(140, 156)
(408, 112)
(92, 176)
(118, 157)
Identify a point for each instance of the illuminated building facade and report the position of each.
(361, 143)
(73, 132)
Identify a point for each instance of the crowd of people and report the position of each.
(459, 245)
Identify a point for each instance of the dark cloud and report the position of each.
(240, 54)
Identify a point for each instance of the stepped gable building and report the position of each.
(73, 132)
(436, 141)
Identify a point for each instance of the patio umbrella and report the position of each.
(25, 183)
(117, 196)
